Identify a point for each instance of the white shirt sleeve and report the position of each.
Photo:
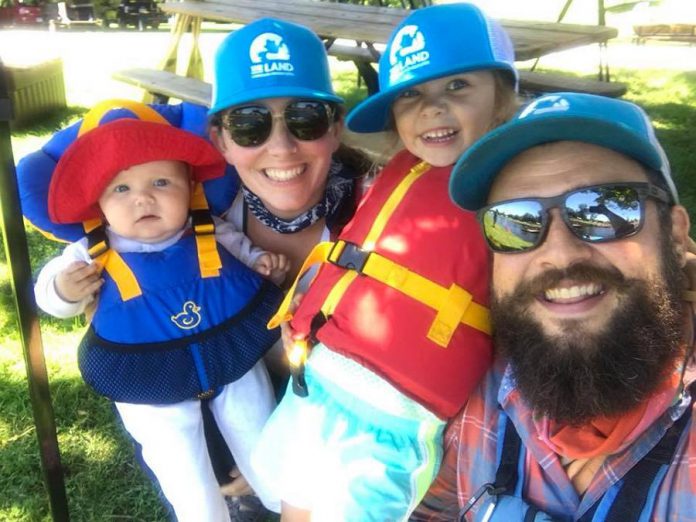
(235, 242)
(47, 297)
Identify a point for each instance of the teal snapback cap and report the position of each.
(614, 124)
(270, 58)
(430, 43)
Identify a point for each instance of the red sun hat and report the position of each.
(90, 163)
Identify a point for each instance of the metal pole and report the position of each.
(603, 59)
(30, 334)
(559, 19)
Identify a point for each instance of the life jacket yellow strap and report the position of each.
(392, 203)
(385, 213)
(209, 261)
(336, 293)
(453, 305)
(319, 254)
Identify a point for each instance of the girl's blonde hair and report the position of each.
(506, 100)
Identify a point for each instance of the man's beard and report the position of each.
(578, 374)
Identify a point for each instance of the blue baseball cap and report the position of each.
(431, 43)
(614, 124)
(270, 58)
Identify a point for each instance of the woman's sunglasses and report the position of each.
(251, 125)
(593, 214)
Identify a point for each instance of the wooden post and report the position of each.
(28, 321)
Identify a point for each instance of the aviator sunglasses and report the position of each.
(593, 214)
(251, 125)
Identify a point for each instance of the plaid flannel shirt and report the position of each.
(471, 456)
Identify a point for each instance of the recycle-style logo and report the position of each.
(550, 103)
(270, 55)
(408, 52)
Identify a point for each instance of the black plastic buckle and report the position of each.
(486, 489)
(352, 257)
(299, 384)
(201, 218)
(97, 237)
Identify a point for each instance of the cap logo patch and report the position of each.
(545, 104)
(408, 52)
(270, 56)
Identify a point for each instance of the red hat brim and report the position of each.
(90, 163)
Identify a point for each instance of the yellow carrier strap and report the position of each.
(204, 229)
(122, 275)
(110, 260)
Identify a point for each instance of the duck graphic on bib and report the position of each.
(189, 317)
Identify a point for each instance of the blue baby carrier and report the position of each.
(171, 325)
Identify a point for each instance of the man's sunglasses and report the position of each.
(593, 214)
(251, 125)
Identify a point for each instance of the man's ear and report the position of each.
(680, 233)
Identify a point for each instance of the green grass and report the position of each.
(102, 480)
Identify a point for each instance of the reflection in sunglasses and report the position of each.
(593, 214)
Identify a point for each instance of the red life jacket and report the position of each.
(416, 312)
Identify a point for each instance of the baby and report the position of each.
(177, 318)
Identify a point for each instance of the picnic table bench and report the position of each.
(380, 146)
(673, 32)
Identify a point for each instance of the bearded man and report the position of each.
(587, 414)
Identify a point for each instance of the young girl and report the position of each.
(399, 307)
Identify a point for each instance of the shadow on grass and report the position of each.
(49, 123)
(102, 479)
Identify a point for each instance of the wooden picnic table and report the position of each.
(373, 25)
(370, 27)
(367, 28)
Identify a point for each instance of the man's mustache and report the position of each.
(581, 272)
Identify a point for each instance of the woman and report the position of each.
(278, 122)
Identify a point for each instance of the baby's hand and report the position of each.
(287, 333)
(78, 281)
(273, 266)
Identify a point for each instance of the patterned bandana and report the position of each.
(338, 190)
